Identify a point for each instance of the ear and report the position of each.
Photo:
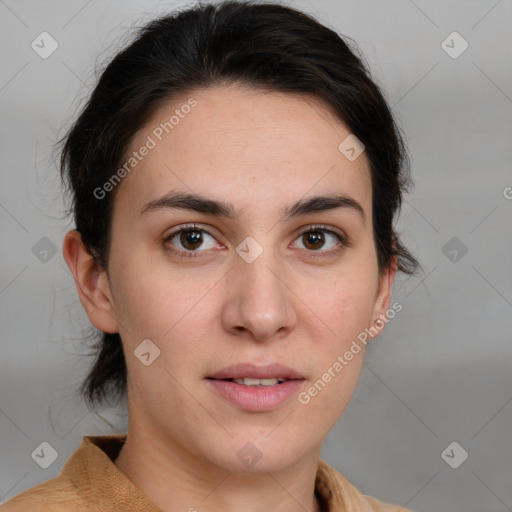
(383, 299)
(91, 282)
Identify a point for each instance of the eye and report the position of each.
(188, 240)
(321, 239)
(192, 241)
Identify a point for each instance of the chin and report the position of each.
(253, 456)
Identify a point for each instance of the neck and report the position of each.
(175, 479)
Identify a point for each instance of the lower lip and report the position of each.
(256, 398)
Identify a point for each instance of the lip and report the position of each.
(238, 371)
(256, 398)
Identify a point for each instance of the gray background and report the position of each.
(441, 372)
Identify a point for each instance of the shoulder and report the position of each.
(88, 481)
(340, 494)
(56, 495)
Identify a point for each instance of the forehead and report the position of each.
(254, 148)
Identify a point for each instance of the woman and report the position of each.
(235, 177)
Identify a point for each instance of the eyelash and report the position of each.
(344, 242)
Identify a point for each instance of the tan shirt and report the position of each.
(90, 481)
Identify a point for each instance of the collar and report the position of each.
(101, 484)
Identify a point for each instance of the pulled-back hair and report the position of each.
(262, 45)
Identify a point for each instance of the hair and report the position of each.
(266, 46)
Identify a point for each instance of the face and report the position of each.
(238, 280)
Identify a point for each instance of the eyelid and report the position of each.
(325, 227)
(191, 226)
(342, 237)
(185, 227)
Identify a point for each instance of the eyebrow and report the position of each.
(201, 204)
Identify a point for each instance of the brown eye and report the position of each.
(190, 240)
(313, 239)
(322, 240)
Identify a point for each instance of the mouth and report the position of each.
(248, 381)
(250, 373)
(256, 389)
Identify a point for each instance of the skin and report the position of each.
(261, 152)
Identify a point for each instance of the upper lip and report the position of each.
(251, 371)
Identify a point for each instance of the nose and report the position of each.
(259, 300)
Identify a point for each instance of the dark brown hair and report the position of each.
(262, 45)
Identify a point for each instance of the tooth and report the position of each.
(247, 381)
(251, 382)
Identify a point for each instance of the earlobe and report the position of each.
(91, 282)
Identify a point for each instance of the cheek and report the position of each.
(346, 303)
(346, 306)
(354, 305)
(155, 301)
